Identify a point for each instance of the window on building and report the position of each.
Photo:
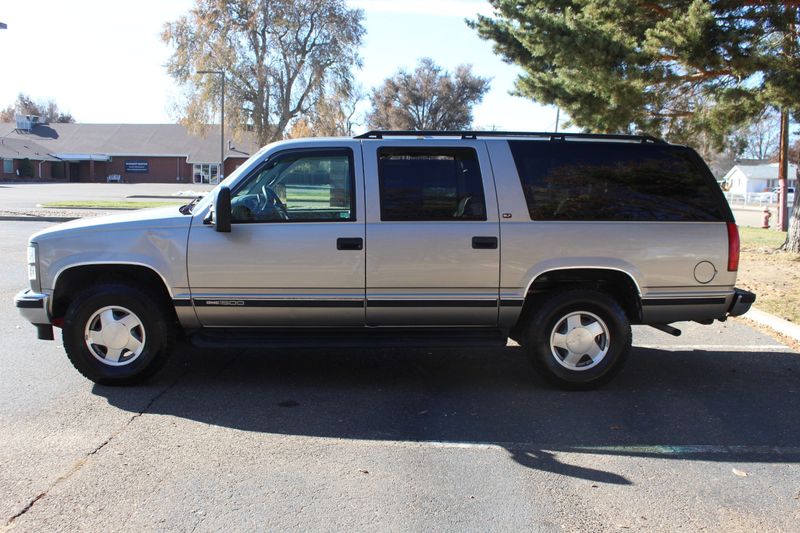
(206, 173)
(430, 184)
(8, 166)
(613, 181)
(298, 186)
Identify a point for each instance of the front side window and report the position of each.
(430, 184)
(315, 186)
(8, 166)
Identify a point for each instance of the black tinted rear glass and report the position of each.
(613, 181)
(430, 184)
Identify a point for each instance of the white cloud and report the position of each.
(442, 8)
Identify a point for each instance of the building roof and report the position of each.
(111, 140)
(22, 149)
(767, 171)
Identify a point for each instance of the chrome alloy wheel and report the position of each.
(115, 336)
(579, 341)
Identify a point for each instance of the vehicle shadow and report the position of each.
(695, 405)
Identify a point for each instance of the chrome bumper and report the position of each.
(742, 300)
(33, 308)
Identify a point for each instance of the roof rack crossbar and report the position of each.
(380, 134)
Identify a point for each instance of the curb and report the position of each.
(784, 327)
(24, 218)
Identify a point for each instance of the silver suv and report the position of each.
(558, 241)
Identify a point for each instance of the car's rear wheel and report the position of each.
(578, 338)
(117, 334)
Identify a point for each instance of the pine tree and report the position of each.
(681, 69)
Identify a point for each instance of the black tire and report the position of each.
(156, 331)
(587, 305)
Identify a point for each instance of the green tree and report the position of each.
(26, 168)
(659, 67)
(427, 99)
(48, 111)
(277, 55)
(678, 69)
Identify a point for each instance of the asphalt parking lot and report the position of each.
(699, 432)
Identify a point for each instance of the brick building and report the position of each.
(152, 153)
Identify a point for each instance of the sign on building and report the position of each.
(141, 166)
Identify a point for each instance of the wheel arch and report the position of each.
(69, 280)
(619, 283)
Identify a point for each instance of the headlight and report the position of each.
(31, 254)
(32, 272)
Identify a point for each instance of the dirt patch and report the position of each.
(773, 275)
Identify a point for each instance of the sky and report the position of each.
(103, 61)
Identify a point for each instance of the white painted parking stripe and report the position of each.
(716, 347)
(707, 347)
(665, 450)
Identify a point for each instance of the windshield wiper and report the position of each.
(187, 209)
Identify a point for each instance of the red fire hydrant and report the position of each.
(765, 219)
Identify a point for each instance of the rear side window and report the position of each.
(430, 184)
(613, 181)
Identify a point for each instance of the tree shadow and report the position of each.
(694, 405)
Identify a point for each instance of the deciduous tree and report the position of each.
(47, 111)
(334, 115)
(429, 98)
(277, 55)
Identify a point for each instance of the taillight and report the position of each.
(733, 247)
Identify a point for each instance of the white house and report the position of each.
(744, 179)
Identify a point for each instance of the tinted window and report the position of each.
(613, 181)
(298, 187)
(430, 184)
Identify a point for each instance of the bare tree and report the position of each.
(427, 99)
(763, 135)
(277, 55)
(47, 111)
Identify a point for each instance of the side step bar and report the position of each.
(355, 338)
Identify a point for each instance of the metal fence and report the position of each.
(755, 199)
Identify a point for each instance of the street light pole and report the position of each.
(221, 120)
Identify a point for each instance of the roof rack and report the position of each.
(380, 134)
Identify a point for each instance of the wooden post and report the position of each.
(783, 171)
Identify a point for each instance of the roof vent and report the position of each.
(27, 122)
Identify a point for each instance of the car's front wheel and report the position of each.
(578, 338)
(117, 334)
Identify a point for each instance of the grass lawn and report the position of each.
(773, 275)
(111, 204)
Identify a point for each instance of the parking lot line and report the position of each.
(716, 347)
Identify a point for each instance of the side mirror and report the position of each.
(222, 210)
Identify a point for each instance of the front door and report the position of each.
(295, 253)
(433, 255)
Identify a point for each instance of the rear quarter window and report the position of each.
(605, 181)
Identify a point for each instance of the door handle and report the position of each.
(348, 243)
(484, 243)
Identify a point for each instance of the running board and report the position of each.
(354, 338)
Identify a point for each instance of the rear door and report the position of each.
(432, 234)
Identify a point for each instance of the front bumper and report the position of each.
(742, 300)
(33, 308)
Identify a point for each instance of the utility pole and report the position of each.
(558, 116)
(783, 172)
(221, 120)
